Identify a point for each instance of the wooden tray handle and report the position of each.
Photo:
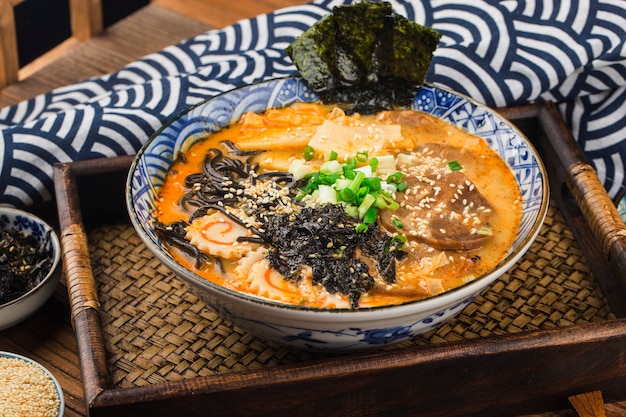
(593, 201)
(81, 285)
(596, 206)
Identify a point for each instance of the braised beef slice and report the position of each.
(434, 211)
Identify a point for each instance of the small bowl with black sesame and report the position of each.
(30, 264)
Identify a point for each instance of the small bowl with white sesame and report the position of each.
(30, 264)
(28, 389)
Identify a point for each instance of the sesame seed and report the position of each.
(25, 390)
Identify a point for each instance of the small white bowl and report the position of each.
(55, 382)
(19, 309)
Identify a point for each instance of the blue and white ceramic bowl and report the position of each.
(317, 329)
(14, 311)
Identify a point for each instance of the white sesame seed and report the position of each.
(25, 390)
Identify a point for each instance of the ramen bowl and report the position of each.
(331, 329)
(23, 305)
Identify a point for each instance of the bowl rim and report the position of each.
(55, 381)
(54, 239)
(454, 295)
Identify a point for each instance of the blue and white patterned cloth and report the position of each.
(502, 53)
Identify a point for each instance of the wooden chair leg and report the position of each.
(9, 62)
(86, 16)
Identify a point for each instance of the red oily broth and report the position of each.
(429, 269)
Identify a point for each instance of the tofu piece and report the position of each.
(348, 139)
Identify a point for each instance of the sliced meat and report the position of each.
(444, 210)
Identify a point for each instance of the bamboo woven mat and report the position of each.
(156, 331)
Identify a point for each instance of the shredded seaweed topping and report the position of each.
(174, 233)
(24, 262)
(366, 55)
(325, 239)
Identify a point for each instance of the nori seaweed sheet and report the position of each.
(366, 55)
(314, 54)
(408, 59)
(357, 30)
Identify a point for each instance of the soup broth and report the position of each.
(446, 207)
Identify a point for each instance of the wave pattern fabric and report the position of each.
(501, 53)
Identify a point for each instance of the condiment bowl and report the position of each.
(338, 329)
(22, 307)
(29, 388)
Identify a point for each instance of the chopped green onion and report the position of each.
(367, 203)
(385, 164)
(370, 216)
(360, 195)
(356, 182)
(330, 167)
(366, 169)
(374, 163)
(399, 241)
(346, 195)
(454, 166)
(395, 178)
(401, 186)
(396, 242)
(399, 238)
(385, 201)
(353, 211)
(309, 153)
(373, 183)
(342, 183)
(356, 187)
(333, 156)
(328, 195)
(398, 223)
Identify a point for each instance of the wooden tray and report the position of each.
(504, 374)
